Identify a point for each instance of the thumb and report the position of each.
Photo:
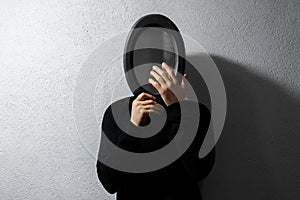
(155, 84)
(183, 81)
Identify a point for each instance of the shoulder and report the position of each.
(118, 110)
(119, 105)
(115, 116)
(122, 101)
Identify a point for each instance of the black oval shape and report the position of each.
(152, 55)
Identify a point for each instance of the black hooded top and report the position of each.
(176, 181)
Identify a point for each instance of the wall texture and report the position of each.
(44, 43)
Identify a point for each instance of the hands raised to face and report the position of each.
(167, 84)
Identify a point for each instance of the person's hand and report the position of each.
(167, 84)
(141, 107)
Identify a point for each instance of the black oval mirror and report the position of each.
(153, 39)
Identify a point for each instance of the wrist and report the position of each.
(174, 111)
(173, 101)
(133, 122)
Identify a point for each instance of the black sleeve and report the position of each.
(155, 142)
(127, 142)
(199, 168)
(167, 132)
(110, 178)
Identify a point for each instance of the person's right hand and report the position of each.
(141, 107)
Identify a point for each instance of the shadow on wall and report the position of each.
(257, 153)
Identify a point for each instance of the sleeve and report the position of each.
(199, 168)
(167, 132)
(174, 112)
(110, 178)
(127, 142)
(155, 142)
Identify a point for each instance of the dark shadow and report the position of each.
(257, 153)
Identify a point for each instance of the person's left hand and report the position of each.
(167, 84)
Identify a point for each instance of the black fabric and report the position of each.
(174, 182)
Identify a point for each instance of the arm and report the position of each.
(167, 132)
(199, 168)
(155, 142)
(196, 168)
(110, 178)
(171, 91)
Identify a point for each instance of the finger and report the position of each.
(143, 96)
(158, 107)
(170, 71)
(149, 101)
(154, 109)
(156, 85)
(162, 73)
(149, 106)
(158, 78)
(183, 81)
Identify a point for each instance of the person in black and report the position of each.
(176, 181)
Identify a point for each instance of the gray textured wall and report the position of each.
(44, 43)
